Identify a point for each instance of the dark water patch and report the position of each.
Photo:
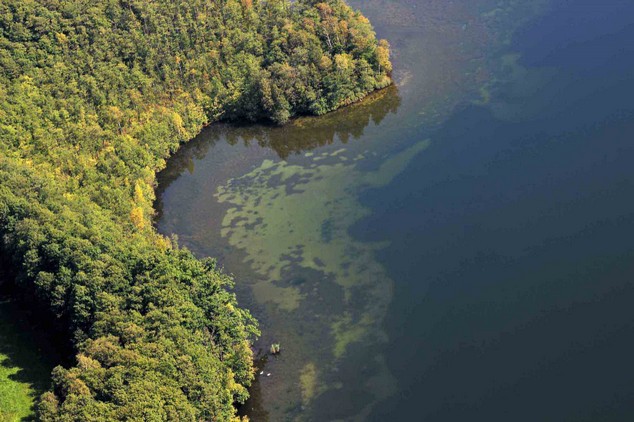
(510, 243)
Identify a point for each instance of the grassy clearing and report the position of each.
(24, 367)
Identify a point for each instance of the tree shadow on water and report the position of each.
(299, 136)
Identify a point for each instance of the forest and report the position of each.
(94, 97)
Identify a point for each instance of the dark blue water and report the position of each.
(512, 249)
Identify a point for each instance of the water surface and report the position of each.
(457, 247)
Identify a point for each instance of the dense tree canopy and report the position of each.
(94, 96)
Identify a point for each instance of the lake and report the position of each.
(457, 247)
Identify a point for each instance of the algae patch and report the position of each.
(308, 382)
(288, 216)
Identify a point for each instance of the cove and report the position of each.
(453, 247)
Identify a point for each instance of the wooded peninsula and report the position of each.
(94, 97)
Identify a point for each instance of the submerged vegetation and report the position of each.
(94, 96)
(291, 223)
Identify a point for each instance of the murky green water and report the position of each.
(333, 226)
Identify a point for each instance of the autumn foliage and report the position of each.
(94, 96)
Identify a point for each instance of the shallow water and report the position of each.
(454, 247)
